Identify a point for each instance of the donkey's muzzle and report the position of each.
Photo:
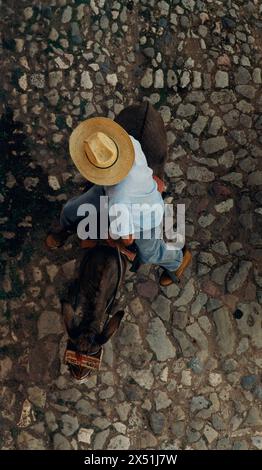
(82, 365)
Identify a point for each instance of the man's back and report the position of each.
(138, 187)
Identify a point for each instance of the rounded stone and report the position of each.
(248, 382)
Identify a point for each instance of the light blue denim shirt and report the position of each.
(136, 189)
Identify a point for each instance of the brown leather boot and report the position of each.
(166, 279)
(88, 243)
(57, 238)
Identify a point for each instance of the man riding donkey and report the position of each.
(113, 160)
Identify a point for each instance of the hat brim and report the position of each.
(126, 153)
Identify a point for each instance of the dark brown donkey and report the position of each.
(89, 304)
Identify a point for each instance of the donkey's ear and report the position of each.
(111, 327)
(68, 316)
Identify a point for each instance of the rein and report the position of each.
(120, 277)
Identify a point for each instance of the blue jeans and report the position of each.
(151, 250)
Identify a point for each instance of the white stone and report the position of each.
(28, 13)
(171, 78)
(144, 378)
(210, 433)
(25, 417)
(52, 271)
(53, 182)
(86, 81)
(119, 442)
(164, 374)
(111, 79)
(67, 15)
(53, 35)
(66, 62)
(147, 79)
(19, 44)
(257, 78)
(38, 80)
(84, 435)
(197, 79)
(224, 206)
(205, 323)
(120, 427)
(162, 401)
(22, 82)
(222, 79)
(185, 79)
(37, 396)
(159, 79)
(186, 378)
(206, 220)
(215, 379)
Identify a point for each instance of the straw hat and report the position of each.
(102, 151)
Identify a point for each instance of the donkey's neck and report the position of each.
(97, 293)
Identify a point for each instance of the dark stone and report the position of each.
(195, 365)
(196, 189)
(75, 34)
(248, 382)
(258, 197)
(218, 422)
(240, 445)
(162, 22)
(148, 289)
(149, 52)
(193, 436)
(228, 23)
(44, 363)
(157, 422)
(238, 314)
(258, 392)
(229, 365)
(178, 429)
(180, 319)
(133, 392)
(224, 444)
(47, 12)
(130, 5)
(184, 21)
(221, 190)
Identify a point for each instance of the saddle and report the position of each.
(130, 252)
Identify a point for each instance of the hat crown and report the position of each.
(101, 150)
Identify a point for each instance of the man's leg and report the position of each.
(69, 218)
(156, 251)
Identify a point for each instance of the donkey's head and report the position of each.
(87, 340)
(98, 284)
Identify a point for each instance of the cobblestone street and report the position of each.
(184, 371)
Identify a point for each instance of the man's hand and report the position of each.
(123, 241)
(127, 240)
